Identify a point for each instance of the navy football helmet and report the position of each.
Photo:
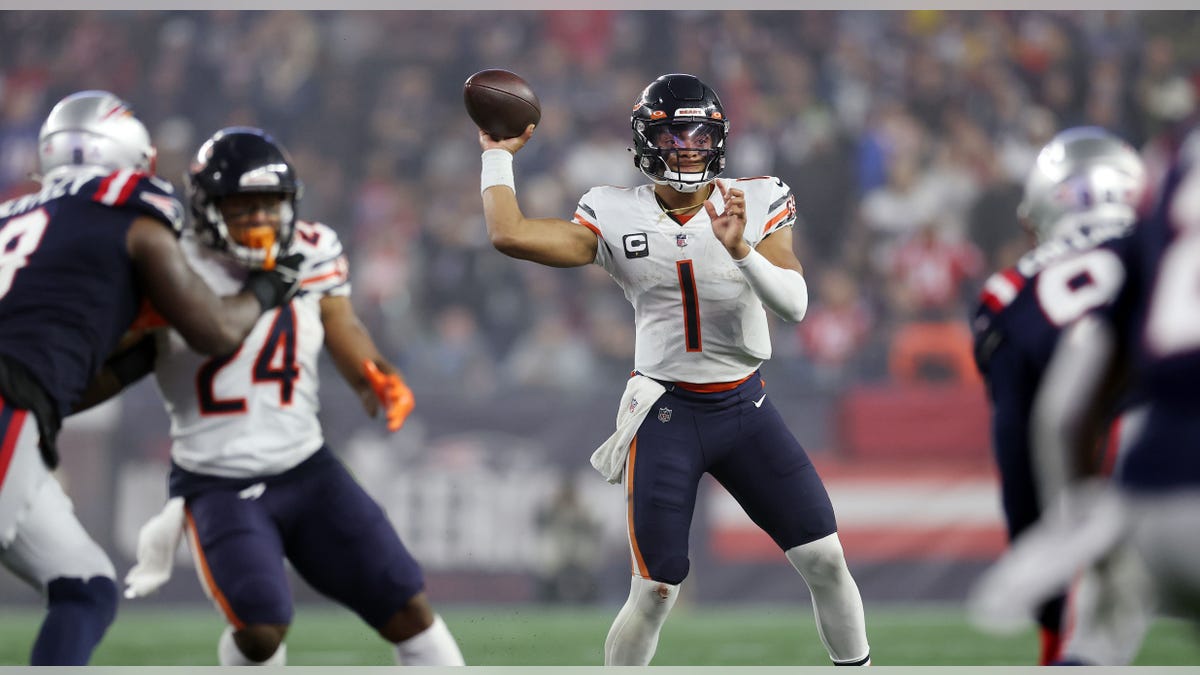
(239, 161)
(679, 129)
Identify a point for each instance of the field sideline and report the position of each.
(533, 635)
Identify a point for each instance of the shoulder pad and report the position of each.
(145, 194)
(782, 211)
(774, 179)
(325, 270)
(316, 240)
(780, 205)
(585, 215)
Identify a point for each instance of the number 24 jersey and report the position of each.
(253, 412)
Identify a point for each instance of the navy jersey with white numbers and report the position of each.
(1157, 319)
(1021, 313)
(68, 290)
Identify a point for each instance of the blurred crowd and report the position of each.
(905, 136)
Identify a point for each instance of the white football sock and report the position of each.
(228, 653)
(434, 646)
(837, 604)
(633, 636)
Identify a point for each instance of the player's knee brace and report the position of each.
(653, 599)
(837, 604)
(820, 562)
(633, 637)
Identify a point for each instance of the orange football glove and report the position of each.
(392, 392)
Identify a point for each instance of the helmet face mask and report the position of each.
(247, 229)
(1082, 173)
(238, 173)
(96, 129)
(679, 130)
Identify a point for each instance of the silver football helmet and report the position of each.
(94, 128)
(1082, 173)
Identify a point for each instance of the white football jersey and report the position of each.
(253, 413)
(696, 318)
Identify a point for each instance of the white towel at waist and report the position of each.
(640, 394)
(157, 542)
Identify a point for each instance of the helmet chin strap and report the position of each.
(685, 187)
(683, 182)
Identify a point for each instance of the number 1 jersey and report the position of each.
(696, 318)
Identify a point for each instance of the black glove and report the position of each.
(276, 286)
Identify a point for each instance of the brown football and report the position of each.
(501, 103)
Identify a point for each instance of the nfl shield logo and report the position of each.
(681, 240)
(664, 415)
(632, 404)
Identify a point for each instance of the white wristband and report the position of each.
(497, 170)
(783, 291)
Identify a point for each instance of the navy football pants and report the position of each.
(740, 439)
(317, 516)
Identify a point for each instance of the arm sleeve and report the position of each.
(784, 292)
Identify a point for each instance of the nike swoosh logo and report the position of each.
(758, 403)
(253, 492)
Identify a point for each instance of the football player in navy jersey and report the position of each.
(1082, 192)
(77, 260)
(1147, 339)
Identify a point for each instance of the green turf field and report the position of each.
(535, 635)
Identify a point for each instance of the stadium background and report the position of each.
(905, 136)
